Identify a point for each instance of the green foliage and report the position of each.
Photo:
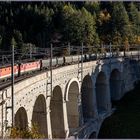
(134, 16)
(120, 23)
(90, 35)
(92, 7)
(104, 26)
(13, 42)
(92, 23)
(78, 26)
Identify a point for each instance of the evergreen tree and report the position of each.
(120, 23)
(134, 16)
(89, 25)
(18, 38)
(104, 26)
(92, 7)
(92, 23)
(79, 26)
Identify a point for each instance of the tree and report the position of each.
(71, 26)
(134, 17)
(89, 26)
(18, 38)
(92, 7)
(89, 22)
(120, 23)
(78, 26)
(104, 28)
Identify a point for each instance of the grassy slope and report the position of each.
(125, 122)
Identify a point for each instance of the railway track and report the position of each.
(7, 83)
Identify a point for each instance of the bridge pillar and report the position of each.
(103, 93)
(108, 96)
(115, 85)
(81, 119)
(94, 97)
(123, 88)
(87, 98)
(48, 117)
(65, 118)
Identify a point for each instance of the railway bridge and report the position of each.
(72, 101)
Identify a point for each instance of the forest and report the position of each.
(91, 23)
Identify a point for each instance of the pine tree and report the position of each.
(134, 16)
(89, 25)
(120, 23)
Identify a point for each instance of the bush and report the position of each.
(32, 132)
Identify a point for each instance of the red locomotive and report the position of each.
(5, 72)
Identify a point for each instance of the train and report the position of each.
(37, 65)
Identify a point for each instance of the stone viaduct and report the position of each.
(76, 103)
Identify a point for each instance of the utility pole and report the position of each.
(69, 48)
(82, 62)
(30, 51)
(51, 56)
(110, 49)
(12, 83)
(138, 42)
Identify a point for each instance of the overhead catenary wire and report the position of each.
(21, 54)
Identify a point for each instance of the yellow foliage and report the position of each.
(104, 15)
(32, 132)
(137, 39)
(126, 44)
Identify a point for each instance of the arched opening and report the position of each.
(21, 121)
(87, 98)
(106, 128)
(93, 135)
(101, 92)
(57, 119)
(72, 106)
(39, 115)
(115, 85)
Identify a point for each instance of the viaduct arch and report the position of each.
(101, 92)
(72, 106)
(70, 95)
(115, 84)
(56, 114)
(39, 115)
(21, 120)
(87, 98)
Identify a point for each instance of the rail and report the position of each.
(130, 54)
